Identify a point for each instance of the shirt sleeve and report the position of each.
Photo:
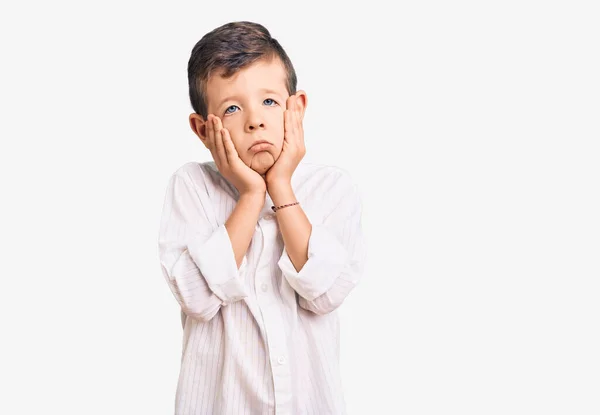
(336, 258)
(196, 257)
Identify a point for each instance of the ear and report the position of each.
(198, 126)
(301, 102)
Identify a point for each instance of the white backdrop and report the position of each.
(472, 129)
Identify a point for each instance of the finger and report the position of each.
(219, 140)
(288, 105)
(210, 134)
(298, 116)
(294, 115)
(297, 132)
(287, 122)
(297, 122)
(230, 150)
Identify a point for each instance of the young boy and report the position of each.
(258, 248)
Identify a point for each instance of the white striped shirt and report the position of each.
(261, 339)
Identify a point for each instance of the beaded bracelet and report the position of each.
(275, 209)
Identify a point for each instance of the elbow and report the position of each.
(191, 291)
(320, 311)
(321, 305)
(201, 308)
(202, 315)
(331, 299)
(199, 304)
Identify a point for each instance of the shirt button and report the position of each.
(264, 287)
(281, 360)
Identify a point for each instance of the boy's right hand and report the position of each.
(230, 165)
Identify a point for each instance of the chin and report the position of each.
(262, 163)
(262, 170)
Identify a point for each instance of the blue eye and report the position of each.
(227, 110)
(269, 102)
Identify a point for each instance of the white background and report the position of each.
(472, 129)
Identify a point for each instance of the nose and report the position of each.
(254, 121)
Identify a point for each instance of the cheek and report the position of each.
(233, 128)
(229, 123)
(278, 124)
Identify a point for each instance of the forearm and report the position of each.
(242, 222)
(293, 223)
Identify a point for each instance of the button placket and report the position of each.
(271, 312)
(262, 280)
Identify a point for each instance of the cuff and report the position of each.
(327, 258)
(216, 261)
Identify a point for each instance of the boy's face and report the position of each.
(250, 105)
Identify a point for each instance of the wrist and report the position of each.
(282, 194)
(278, 182)
(254, 196)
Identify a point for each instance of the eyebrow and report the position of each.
(264, 90)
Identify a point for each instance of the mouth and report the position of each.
(259, 145)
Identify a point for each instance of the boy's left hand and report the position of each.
(293, 149)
